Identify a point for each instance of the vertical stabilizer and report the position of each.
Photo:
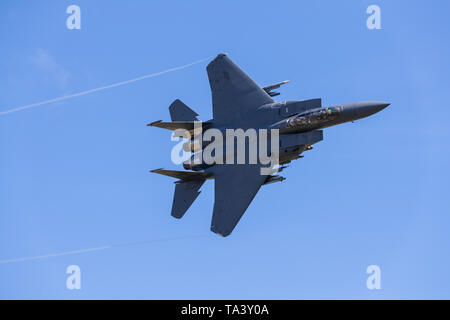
(181, 112)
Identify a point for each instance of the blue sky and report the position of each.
(74, 174)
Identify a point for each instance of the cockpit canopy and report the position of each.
(314, 116)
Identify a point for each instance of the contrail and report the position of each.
(66, 253)
(152, 75)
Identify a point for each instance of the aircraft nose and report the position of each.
(364, 109)
(379, 105)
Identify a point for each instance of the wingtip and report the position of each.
(217, 58)
(152, 124)
(221, 233)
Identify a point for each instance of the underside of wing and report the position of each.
(235, 187)
(234, 93)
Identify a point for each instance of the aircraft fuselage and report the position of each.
(326, 117)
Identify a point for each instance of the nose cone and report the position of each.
(364, 109)
(375, 106)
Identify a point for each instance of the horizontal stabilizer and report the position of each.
(184, 175)
(181, 112)
(185, 194)
(187, 125)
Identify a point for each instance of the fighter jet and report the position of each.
(238, 102)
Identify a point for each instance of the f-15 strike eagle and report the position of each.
(239, 103)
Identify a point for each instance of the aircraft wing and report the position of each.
(234, 93)
(235, 187)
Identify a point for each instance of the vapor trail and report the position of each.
(66, 253)
(152, 75)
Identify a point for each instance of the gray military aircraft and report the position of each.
(238, 102)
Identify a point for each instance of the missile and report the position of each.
(269, 89)
(276, 85)
(273, 179)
